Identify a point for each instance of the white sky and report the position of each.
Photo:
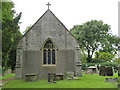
(69, 12)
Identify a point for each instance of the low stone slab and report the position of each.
(31, 77)
(59, 76)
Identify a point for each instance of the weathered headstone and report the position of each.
(51, 77)
(102, 71)
(109, 71)
(70, 74)
(91, 69)
(78, 69)
(119, 70)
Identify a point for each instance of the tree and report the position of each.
(110, 44)
(104, 56)
(83, 56)
(92, 35)
(10, 34)
(28, 27)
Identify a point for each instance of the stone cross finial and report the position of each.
(48, 5)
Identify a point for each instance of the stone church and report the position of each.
(47, 47)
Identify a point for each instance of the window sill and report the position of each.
(49, 65)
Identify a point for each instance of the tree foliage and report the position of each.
(10, 34)
(104, 56)
(83, 56)
(28, 27)
(94, 34)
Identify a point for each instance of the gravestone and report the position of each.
(51, 77)
(78, 69)
(70, 74)
(102, 71)
(119, 70)
(109, 71)
(91, 69)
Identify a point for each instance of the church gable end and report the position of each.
(48, 25)
(47, 47)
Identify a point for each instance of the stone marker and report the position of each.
(51, 77)
(109, 71)
(102, 71)
(119, 70)
(70, 74)
(91, 69)
(78, 69)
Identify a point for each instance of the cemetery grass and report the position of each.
(7, 75)
(86, 81)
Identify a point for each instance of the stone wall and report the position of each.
(48, 26)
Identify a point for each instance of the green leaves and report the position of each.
(10, 34)
(7, 12)
(104, 56)
(28, 27)
(93, 35)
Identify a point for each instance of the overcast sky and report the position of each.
(69, 12)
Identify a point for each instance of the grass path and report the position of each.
(86, 81)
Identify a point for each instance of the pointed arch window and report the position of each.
(49, 53)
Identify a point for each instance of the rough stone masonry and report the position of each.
(47, 47)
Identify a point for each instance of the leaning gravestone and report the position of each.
(70, 74)
(102, 71)
(119, 70)
(109, 71)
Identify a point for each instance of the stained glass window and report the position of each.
(53, 56)
(49, 56)
(49, 53)
(44, 57)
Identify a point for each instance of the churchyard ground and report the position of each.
(86, 81)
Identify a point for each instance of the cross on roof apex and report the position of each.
(48, 5)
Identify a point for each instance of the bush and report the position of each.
(112, 64)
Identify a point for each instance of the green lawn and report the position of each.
(86, 81)
(7, 75)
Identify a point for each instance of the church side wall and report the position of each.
(33, 63)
